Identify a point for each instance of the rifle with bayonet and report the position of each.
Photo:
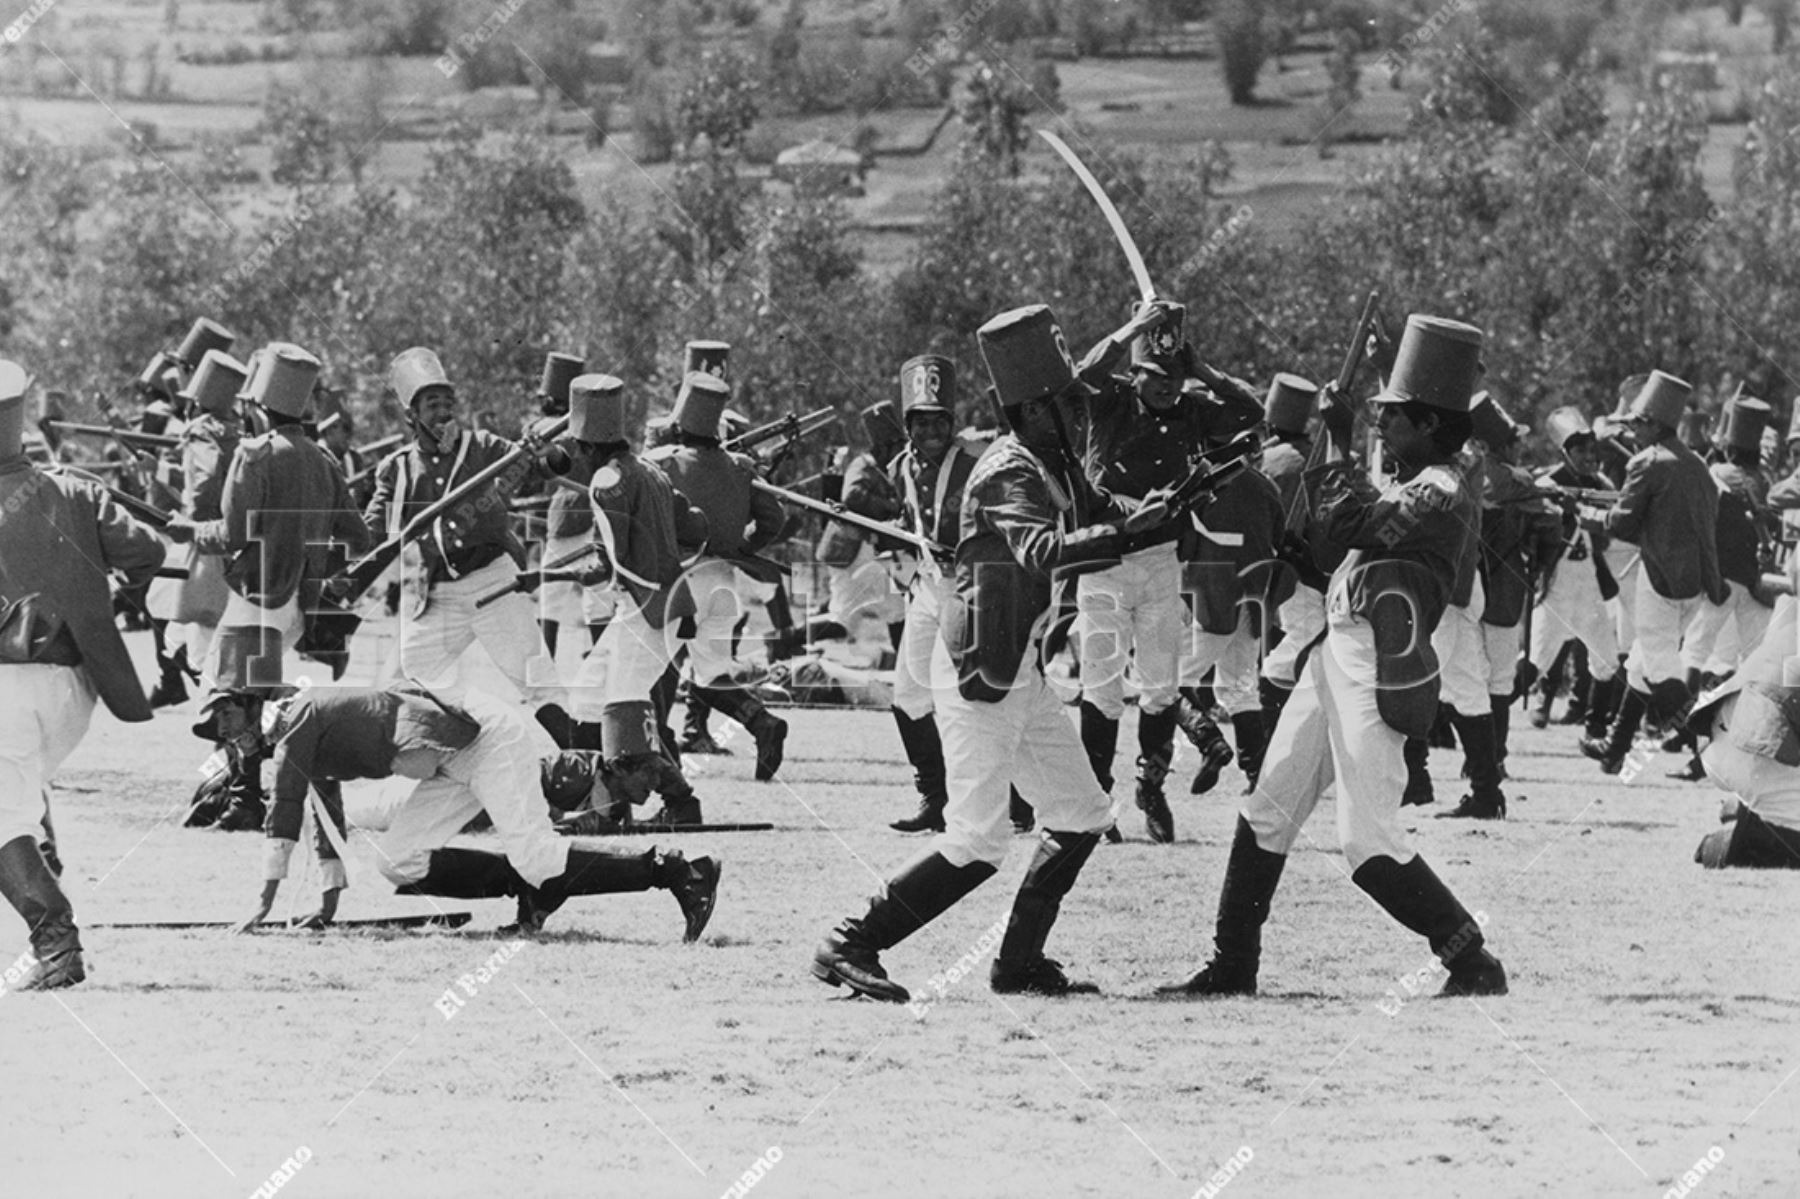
(786, 430)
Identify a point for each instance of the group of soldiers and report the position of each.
(1344, 585)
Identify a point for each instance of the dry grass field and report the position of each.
(1651, 1018)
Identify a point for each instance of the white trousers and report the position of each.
(507, 630)
(1232, 659)
(864, 590)
(231, 659)
(1722, 635)
(1329, 733)
(1302, 620)
(42, 719)
(623, 665)
(1131, 614)
(496, 773)
(1461, 648)
(716, 611)
(1573, 610)
(1661, 623)
(1025, 740)
(912, 663)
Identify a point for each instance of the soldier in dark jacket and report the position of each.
(1024, 523)
(1373, 681)
(60, 533)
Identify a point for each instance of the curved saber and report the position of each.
(1138, 270)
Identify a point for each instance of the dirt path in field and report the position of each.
(1652, 1018)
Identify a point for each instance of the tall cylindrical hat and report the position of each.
(162, 375)
(1290, 404)
(1026, 355)
(1565, 424)
(217, 382)
(1662, 398)
(1159, 349)
(1742, 423)
(1437, 364)
(928, 384)
(204, 337)
(707, 357)
(1491, 423)
(701, 403)
(597, 408)
(414, 371)
(286, 383)
(553, 385)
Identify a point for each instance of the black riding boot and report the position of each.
(1251, 876)
(1252, 734)
(1156, 748)
(1485, 801)
(923, 890)
(925, 751)
(1420, 901)
(1610, 750)
(28, 883)
(769, 729)
(1100, 737)
(1418, 791)
(1021, 965)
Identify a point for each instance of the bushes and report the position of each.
(1238, 27)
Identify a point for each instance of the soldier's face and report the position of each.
(930, 434)
(436, 413)
(1159, 392)
(1403, 440)
(1580, 455)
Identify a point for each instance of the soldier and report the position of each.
(1287, 412)
(569, 521)
(930, 475)
(470, 550)
(60, 532)
(1229, 584)
(1727, 632)
(860, 585)
(1023, 523)
(1135, 434)
(1579, 587)
(739, 521)
(1669, 507)
(1373, 681)
(471, 754)
(640, 521)
(1520, 531)
(1753, 753)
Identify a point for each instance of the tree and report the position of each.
(1238, 28)
(718, 99)
(993, 114)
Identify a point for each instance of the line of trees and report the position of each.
(1587, 247)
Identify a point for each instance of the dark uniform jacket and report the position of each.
(329, 734)
(284, 501)
(1409, 542)
(867, 491)
(1742, 524)
(1669, 508)
(740, 520)
(1218, 579)
(1022, 524)
(475, 532)
(60, 533)
(1521, 535)
(642, 522)
(208, 446)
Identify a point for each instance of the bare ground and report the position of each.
(1652, 1015)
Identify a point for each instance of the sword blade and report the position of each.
(1138, 270)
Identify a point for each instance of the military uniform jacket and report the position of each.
(1521, 534)
(931, 494)
(1583, 548)
(284, 502)
(1021, 526)
(642, 521)
(1409, 542)
(1740, 529)
(1128, 450)
(569, 514)
(471, 535)
(60, 532)
(739, 519)
(867, 491)
(208, 446)
(329, 734)
(1669, 508)
(1219, 578)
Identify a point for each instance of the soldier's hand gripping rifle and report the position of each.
(1337, 409)
(1212, 469)
(832, 510)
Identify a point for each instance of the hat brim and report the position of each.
(925, 410)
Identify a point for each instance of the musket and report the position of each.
(549, 572)
(837, 512)
(1346, 378)
(361, 574)
(136, 437)
(791, 427)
